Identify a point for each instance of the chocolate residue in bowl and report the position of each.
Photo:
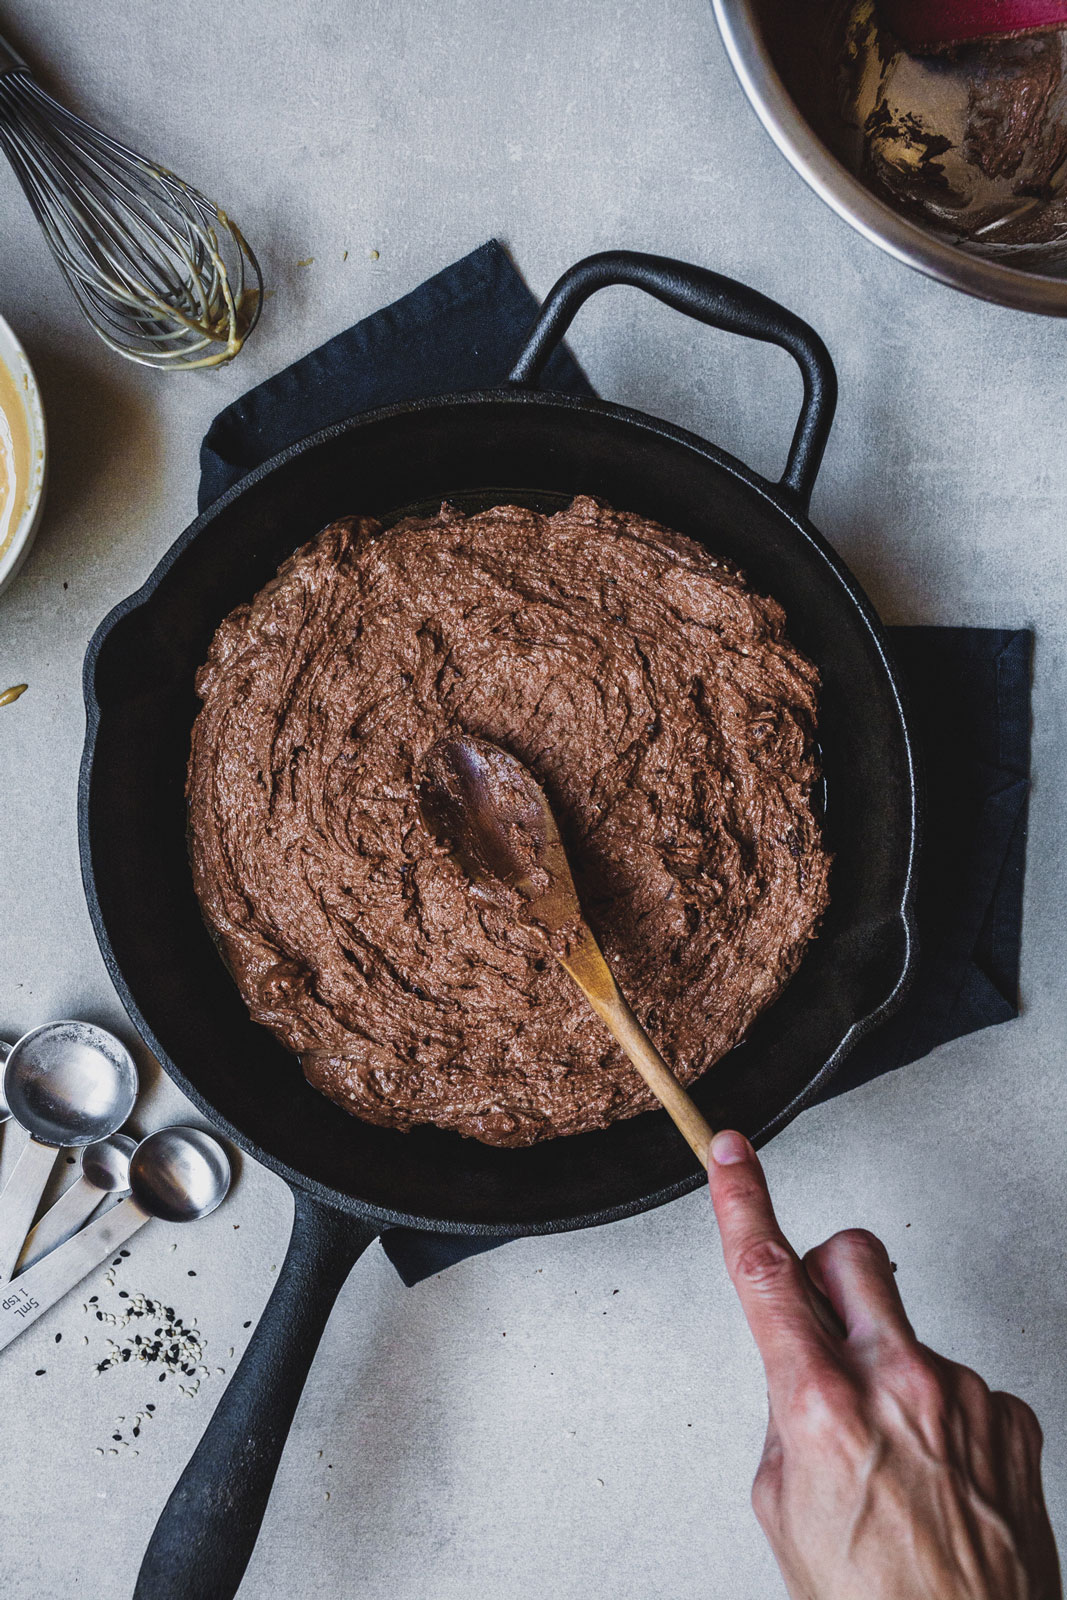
(971, 143)
(655, 698)
(975, 141)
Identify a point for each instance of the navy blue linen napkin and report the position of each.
(970, 687)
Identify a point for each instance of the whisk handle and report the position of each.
(10, 60)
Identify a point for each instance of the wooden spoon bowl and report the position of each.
(485, 807)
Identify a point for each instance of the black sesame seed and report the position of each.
(137, 1432)
(116, 1436)
(40, 1372)
(58, 1337)
(247, 1324)
(124, 1294)
(150, 1408)
(124, 1254)
(162, 1375)
(99, 1316)
(192, 1274)
(93, 1298)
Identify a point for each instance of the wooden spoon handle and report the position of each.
(675, 1100)
(594, 978)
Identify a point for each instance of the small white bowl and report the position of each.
(17, 546)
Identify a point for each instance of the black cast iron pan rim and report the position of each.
(785, 503)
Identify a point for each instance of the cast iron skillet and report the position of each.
(351, 1180)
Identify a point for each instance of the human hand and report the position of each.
(888, 1472)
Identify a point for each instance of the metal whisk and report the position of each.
(162, 274)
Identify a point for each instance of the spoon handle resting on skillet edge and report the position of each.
(586, 965)
(208, 1529)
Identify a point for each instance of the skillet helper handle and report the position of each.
(207, 1532)
(720, 303)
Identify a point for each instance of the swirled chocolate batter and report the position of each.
(655, 697)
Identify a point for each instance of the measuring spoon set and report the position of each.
(73, 1085)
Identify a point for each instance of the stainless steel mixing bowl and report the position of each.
(761, 41)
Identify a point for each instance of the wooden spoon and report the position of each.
(486, 809)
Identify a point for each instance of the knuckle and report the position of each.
(1021, 1418)
(917, 1382)
(858, 1243)
(738, 1194)
(822, 1406)
(972, 1388)
(763, 1263)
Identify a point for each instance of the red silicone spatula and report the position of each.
(925, 26)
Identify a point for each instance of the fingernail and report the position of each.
(729, 1148)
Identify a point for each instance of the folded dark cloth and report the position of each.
(460, 330)
(970, 687)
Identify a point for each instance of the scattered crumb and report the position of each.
(374, 255)
(9, 696)
(308, 261)
(344, 255)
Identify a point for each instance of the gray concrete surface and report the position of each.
(606, 1444)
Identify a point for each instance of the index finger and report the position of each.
(771, 1282)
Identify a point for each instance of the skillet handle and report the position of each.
(721, 303)
(207, 1532)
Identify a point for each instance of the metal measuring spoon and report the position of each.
(67, 1083)
(5, 1109)
(177, 1174)
(105, 1169)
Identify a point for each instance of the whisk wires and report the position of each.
(163, 275)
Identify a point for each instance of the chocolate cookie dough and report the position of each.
(655, 697)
